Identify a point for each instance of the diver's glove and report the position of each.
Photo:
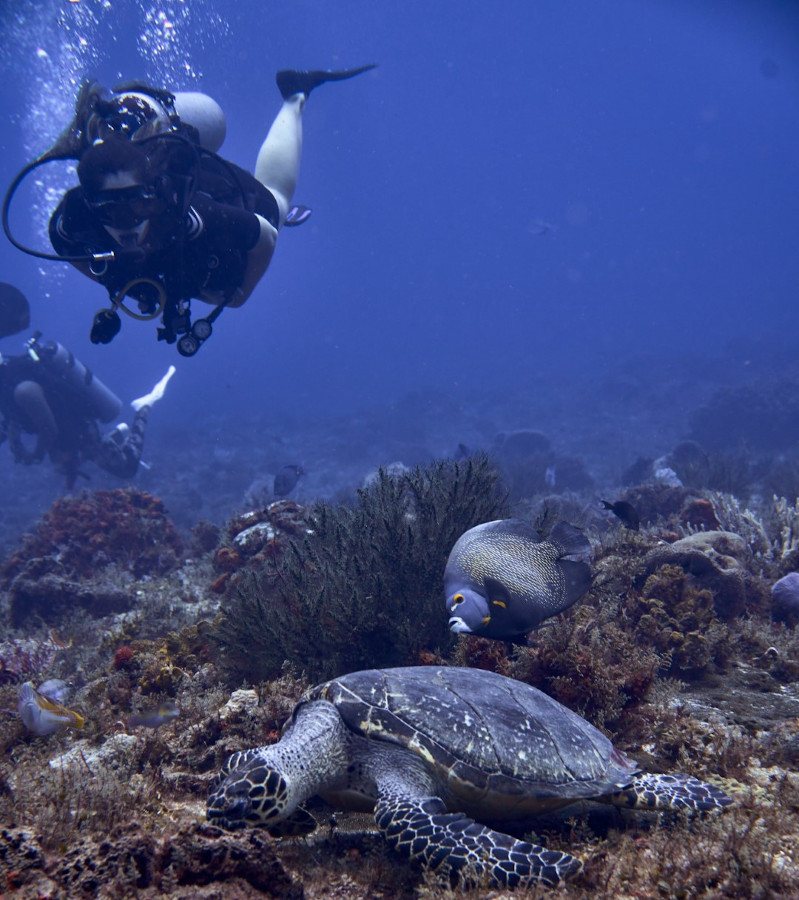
(156, 393)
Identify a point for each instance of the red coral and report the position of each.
(79, 535)
(123, 657)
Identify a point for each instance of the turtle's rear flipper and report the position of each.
(671, 792)
(424, 830)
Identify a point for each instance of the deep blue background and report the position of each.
(659, 139)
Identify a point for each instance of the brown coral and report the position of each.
(712, 560)
(674, 616)
(699, 513)
(227, 559)
(131, 859)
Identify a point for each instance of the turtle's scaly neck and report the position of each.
(312, 754)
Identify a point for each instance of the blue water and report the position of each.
(520, 193)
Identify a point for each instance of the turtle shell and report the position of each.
(486, 737)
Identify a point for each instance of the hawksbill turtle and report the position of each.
(432, 749)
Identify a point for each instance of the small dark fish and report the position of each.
(286, 480)
(154, 718)
(539, 227)
(624, 511)
(501, 580)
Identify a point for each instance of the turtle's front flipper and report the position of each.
(671, 792)
(424, 830)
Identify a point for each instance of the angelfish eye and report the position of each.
(458, 598)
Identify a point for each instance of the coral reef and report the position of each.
(699, 514)
(254, 539)
(124, 527)
(762, 416)
(364, 586)
(678, 650)
(715, 560)
(785, 527)
(132, 861)
(675, 618)
(24, 658)
(691, 463)
(785, 594)
(779, 477)
(529, 466)
(81, 546)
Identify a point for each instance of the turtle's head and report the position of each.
(266, 786)
(249, 791)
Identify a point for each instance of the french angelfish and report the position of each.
(501, 580)
(42, 716)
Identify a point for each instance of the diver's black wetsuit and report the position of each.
(195, 247)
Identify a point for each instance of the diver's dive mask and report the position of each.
(124, 208)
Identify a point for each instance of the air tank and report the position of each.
(101, 402)
(205, 114)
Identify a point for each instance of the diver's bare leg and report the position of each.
(30, 397)
(278, 163)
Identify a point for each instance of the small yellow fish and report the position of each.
(42, 716)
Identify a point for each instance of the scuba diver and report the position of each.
(159, 217)
(48, 394)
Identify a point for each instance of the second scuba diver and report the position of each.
(50, 404)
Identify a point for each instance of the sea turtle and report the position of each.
(430, 749)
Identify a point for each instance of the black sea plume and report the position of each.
(363, 587)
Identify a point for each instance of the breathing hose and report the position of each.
(12, 189)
